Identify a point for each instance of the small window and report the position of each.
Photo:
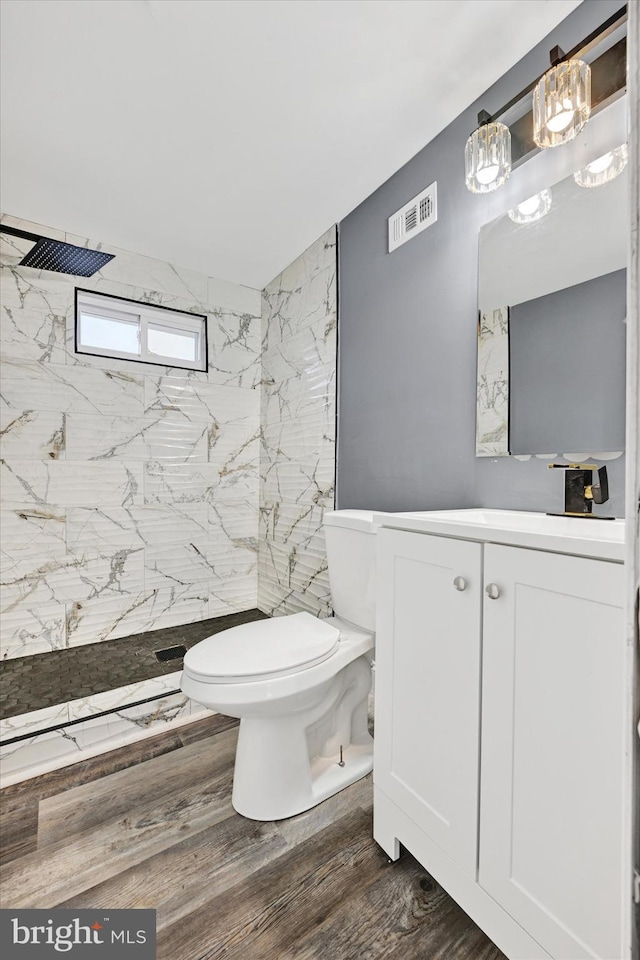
(110, 327)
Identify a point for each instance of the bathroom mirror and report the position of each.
(551, 327)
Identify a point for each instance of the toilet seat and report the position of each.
(262, 649)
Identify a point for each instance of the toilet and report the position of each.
(299, 685)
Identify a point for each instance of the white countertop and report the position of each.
(599, 539)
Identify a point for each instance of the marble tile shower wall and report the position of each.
(297, 463)
(129, 492)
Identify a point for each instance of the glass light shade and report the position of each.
(487, 158)
(532, 209)
(561, 103)
(605, 168)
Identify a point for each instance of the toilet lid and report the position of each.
(261, 649)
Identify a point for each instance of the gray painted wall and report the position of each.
(407, 333)
(566, 352)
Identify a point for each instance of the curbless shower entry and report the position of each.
(61, 702)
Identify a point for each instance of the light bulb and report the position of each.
(530, 205)
(597, 166)
(603, 169)
(532, 209)
(488, 173)
(561, 121)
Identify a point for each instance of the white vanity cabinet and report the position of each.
(499, 755)
(428, 685)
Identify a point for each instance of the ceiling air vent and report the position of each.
(414, 217)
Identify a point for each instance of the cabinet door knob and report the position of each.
(460, 583)
(493, 591)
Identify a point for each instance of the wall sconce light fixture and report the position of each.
(532, 209)
(604, 169)
(487, 155)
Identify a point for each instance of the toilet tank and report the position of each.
(351, 553)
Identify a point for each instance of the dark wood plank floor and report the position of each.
(151, 825)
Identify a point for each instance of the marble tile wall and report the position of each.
(83, 728)
(298, 409)
(129, 491)
(492, 400)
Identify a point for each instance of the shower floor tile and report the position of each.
(46, 679)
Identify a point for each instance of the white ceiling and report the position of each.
(227, 135)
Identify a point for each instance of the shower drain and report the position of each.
(170, 653)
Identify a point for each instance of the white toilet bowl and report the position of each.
(300, 687)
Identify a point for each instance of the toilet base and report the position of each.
(327, 779)
(287, 764)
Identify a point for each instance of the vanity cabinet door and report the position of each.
(551, 838)
(427, 688)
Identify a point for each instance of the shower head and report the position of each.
(61, 257)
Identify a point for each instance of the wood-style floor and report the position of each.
(151, 825)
